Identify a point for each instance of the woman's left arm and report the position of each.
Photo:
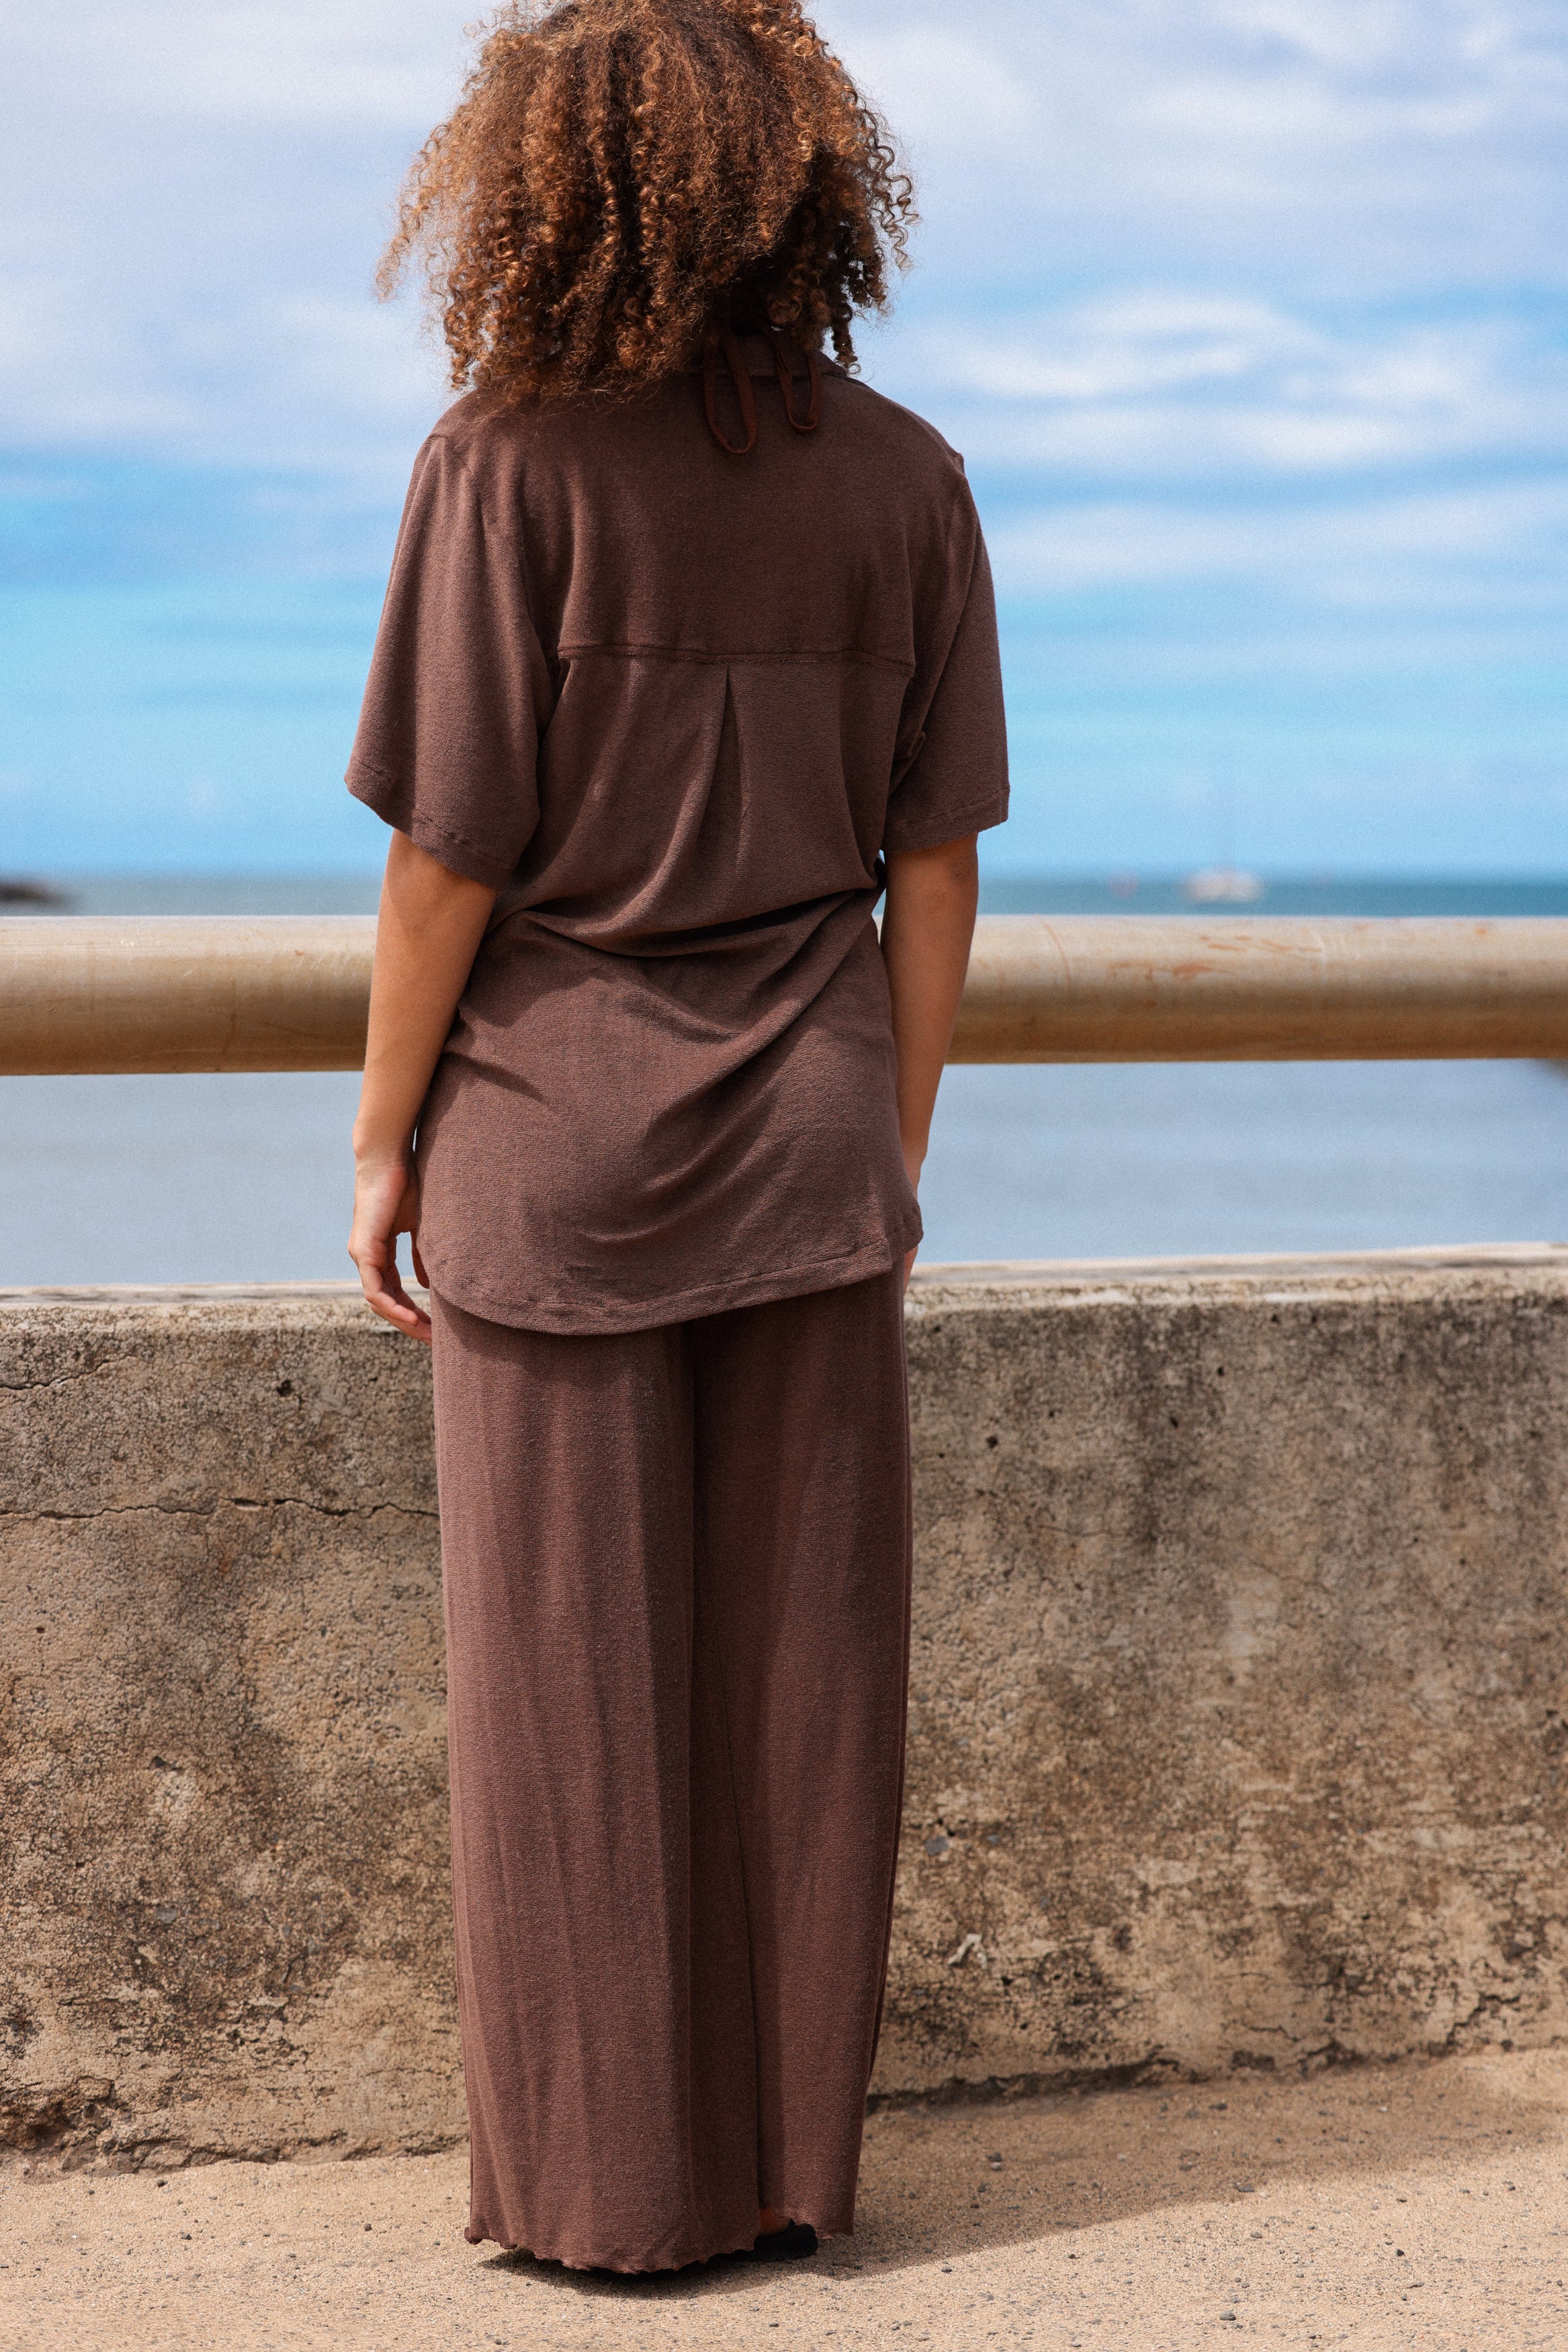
(427, 935)
(926, 930)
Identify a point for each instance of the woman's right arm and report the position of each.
(427, 935)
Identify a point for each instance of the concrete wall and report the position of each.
(1240, 1692)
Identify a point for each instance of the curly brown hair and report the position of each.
(624, 181)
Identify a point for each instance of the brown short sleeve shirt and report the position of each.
(673, 704)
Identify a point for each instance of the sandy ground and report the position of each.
(1412, 2206)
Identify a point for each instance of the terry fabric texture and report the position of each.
(673, 704)
(676, 1567)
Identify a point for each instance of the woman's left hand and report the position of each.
(913, 1160)
(927, 928)
(386, 1203)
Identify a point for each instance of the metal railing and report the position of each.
(285, 993)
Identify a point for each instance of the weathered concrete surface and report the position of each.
(1241, 1666)
(1240, 1690)
(224, 1770)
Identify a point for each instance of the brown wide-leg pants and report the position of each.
(676, 1567)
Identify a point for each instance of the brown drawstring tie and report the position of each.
(743, 392)
(724, 341)
(809, 423)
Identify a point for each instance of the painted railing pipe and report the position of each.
(1186, 988)
(190, 993)
(290, 993)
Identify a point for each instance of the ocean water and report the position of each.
(241, 1179)
(1000, 894)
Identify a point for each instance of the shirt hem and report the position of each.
(569, 1318)
(389, 799)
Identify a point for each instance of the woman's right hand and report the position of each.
(386, 1203)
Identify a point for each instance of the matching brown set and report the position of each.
(670, 676)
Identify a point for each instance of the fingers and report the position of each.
(391, 1302)
(386, 1203)
(383, 1289)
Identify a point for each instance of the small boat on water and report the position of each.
(17, 892)
(1223, 886)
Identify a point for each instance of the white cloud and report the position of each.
(1500, 548)
(271, 62)
(1131, 343)
(1358, 39)
(197, 285)
(70, 376)
(1351, 143)
(941, 89)
(1181, 258)
(1200, 387)
(320, 380)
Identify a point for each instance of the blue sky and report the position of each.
(1251, 317)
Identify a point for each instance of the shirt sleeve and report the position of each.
(459, 691)
(951, 775)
